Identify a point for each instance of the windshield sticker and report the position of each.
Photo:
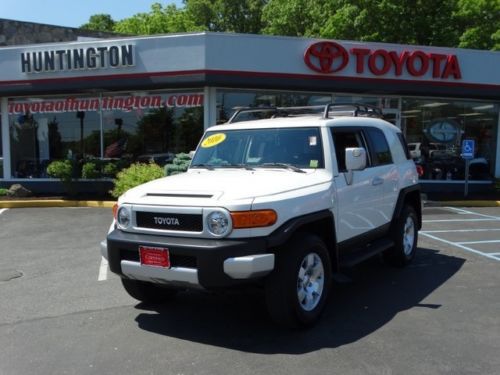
(213, 140)
(313, 141)
(313, 164)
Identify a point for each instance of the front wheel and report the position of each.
(405, 235)
(147, 292)
(297, 290)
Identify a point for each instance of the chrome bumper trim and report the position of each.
(249, 266)
(134, 270)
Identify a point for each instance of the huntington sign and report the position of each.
(88, 58)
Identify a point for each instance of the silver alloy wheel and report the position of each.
(310, 281)
(408, 236)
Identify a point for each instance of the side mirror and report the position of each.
(355, 160)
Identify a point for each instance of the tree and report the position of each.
(452, 23)
(479, 22)
(158, 21)
(424, 22)
(244, 16)
(99, 22)
(293, 17)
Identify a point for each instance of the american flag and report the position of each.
(115, 149)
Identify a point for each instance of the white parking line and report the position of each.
(474, 242)
(458, 210)
(467, 212)
(2, 210)
(490, 256)
(459, 230)
(460, 220)
(103, 270)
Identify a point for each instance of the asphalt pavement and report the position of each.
(437, 316)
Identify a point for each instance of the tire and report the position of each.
(405, 236)
(147, 292)
(297, 290)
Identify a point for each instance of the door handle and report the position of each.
(377, 181)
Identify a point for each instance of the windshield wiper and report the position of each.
(206, 166)
(245, 166)
(290, 167)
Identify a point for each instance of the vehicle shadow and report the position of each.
(240, 321)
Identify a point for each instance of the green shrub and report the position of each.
(180, 164)
(89, 170)
(135, 175)
(4, 192)
(110, 169)
(62, 170)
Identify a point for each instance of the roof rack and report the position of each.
(277, 111)
(356, 109)
(340, 109)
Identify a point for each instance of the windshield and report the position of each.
(253, 148)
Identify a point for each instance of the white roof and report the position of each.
(305, 121)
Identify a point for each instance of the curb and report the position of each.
(55, 203)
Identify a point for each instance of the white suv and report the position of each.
(283, 203)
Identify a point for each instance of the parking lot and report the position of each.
(472, 230)
(62, 313)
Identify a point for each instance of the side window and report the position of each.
(345, 138)
(404, 145)
(379, 150)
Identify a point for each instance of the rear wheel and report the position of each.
(297, 290)
(147, 292)
(405, 235)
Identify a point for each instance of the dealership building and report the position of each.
(117, 101)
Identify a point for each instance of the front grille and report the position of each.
(169, 221)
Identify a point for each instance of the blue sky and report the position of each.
(74, 13)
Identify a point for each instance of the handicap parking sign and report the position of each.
(468, 146)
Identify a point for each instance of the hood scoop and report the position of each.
(179, 195)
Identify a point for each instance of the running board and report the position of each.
(361, 254)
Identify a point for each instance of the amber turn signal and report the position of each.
(253, 219)
(115, 210)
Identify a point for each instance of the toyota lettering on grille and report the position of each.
(161, 220)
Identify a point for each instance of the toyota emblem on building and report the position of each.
(326, 57)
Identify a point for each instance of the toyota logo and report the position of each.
(326, 57)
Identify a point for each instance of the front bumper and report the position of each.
(209, 263)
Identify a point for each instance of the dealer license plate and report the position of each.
(154, 256)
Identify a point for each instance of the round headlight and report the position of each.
(123, 217)
(219, 223)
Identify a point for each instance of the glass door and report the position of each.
(393, 115)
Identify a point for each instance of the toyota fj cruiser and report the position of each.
(283, 203)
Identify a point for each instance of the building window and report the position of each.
(435, 130)
(116, 128)
(228, 101)
(154, 128)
